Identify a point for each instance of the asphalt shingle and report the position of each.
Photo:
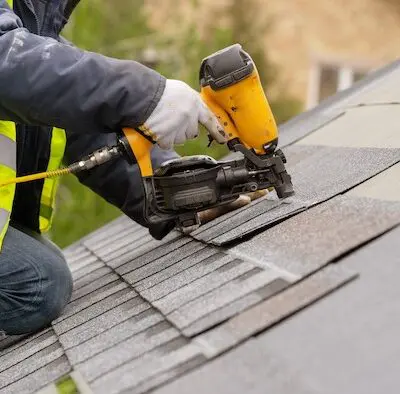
(221, 314)
(40, 378)
(147, 370)
(274, 309)
(114, 336)
(248, 369)
(328, 171)
(362, 127)
(139, 246)
(91, 277)
(218, 298)
(30, 364)
(349, 340)
(337, 170)
(193, 290)
(199, 266)
(95, 310)
(384, 186)
(145, 266)
(91, 299)
(12, 342)
(130, 349)
(311, 239)
(103, 322)
(93, 286)
(15, 355)
(142, 249)
(87, 269)
(296, 129)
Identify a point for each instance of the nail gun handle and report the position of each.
(141, 148)
(222, 116)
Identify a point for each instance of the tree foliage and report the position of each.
(120, 29)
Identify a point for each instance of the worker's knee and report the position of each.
(34, 289)
(56, 288)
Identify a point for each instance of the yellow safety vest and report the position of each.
(8, 168)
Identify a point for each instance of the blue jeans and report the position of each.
(35, 282)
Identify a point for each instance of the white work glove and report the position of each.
(177, 116)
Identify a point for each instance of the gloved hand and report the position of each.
(177, 116)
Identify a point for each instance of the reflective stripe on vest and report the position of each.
(8, 169)
(47, 201)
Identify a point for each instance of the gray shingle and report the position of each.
(337, 170)
(21, 352)
(328, 171)
(90, 299)
(132, 243)
(274, 309)
(381, 186)
(270, 199)
(247, 369)
(186, 277)
(73, 251)
(235, 307)
(170, 374)
(30, 364)
(123, 223)
(103, 322)
(88, 259)
(231, 270)
(349, 340)
(293, 131)
(166, 278)
(215, 299)
(87, 269)
(40, 378)
(311, 239)
(143, 267)
(95, 310)
(79, 254)
(130, 349)
(91, 277)
(139, 247)
(114, 336)
(144, 255)
(10, 343)
(258, 220)
(144, 369)
(95, 285)
(235, 219)
(116, 241)
(357, 129)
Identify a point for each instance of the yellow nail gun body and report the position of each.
(231, 87)
(180, 188)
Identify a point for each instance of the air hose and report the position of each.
(95, 159)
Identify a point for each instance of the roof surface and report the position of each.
(286, 296)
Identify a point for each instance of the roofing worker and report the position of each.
(47, 83)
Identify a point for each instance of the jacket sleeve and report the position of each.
(117, 182)
(46, 82)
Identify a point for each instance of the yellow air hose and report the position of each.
(34, 177)
(95, 159)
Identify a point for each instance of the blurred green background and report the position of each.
(120, 29)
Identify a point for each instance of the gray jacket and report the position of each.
(46, 82)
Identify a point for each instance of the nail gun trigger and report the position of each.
(210, 140)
